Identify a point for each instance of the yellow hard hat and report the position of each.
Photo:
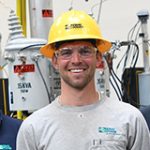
(74, 25)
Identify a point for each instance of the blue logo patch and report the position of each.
(107, 130)
(5, 146)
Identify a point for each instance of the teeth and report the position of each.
(76, 70)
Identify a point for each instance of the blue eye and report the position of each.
(65, 52)
(85, 51)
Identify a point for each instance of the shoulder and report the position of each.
(10, 125)
(146, 113)
(123, 108)
(11, 120)
(39, 117)
(7, 120)
(146, 110)
(125, 113)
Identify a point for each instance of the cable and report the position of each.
(122, 93)
(71, 5)
(99, 11)
(137, 34)
(115, 89)
(132, 30)
(115, 81)
(36, 62)
(22, 49)
(148, 42)
(136, 53)
(130, 57)
(49, 97)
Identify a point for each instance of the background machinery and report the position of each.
(133, 84)
(144, 78)
(28, 74)
(32, 82)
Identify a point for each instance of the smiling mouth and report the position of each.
(76, 70)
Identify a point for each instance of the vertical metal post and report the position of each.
(143, 17)
(41, 17)
(144, 78)
(99, 11)
(21, 13)
(1, 68)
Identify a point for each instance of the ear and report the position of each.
(55, 62)
(99, 58)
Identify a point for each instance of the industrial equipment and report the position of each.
(135, 81)
(41, 18)
(102, 79)
(34, 83)
(27, 68)
(144, 78)
(1, 73)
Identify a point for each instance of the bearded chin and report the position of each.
(77, 85)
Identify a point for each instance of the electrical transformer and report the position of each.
(41, 17)
(27, 69)
(144, 93)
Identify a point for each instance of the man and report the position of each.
(8, 132)
(146, 113)
(80, 118)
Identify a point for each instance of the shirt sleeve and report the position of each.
(139, 137)
(26, 138)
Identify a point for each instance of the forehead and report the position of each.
(76, 44)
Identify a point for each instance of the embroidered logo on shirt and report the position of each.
(5, 146)
(107, 130)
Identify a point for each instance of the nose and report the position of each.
(76, 58)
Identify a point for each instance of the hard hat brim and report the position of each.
(47, 50)
(102, 45)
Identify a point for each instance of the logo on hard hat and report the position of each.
(73, 26)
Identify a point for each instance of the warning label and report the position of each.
(47, 13)
(24, 68)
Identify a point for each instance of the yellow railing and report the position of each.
(21, 13)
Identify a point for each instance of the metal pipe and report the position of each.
(4, 97)
(143, 17)
(21, 13)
